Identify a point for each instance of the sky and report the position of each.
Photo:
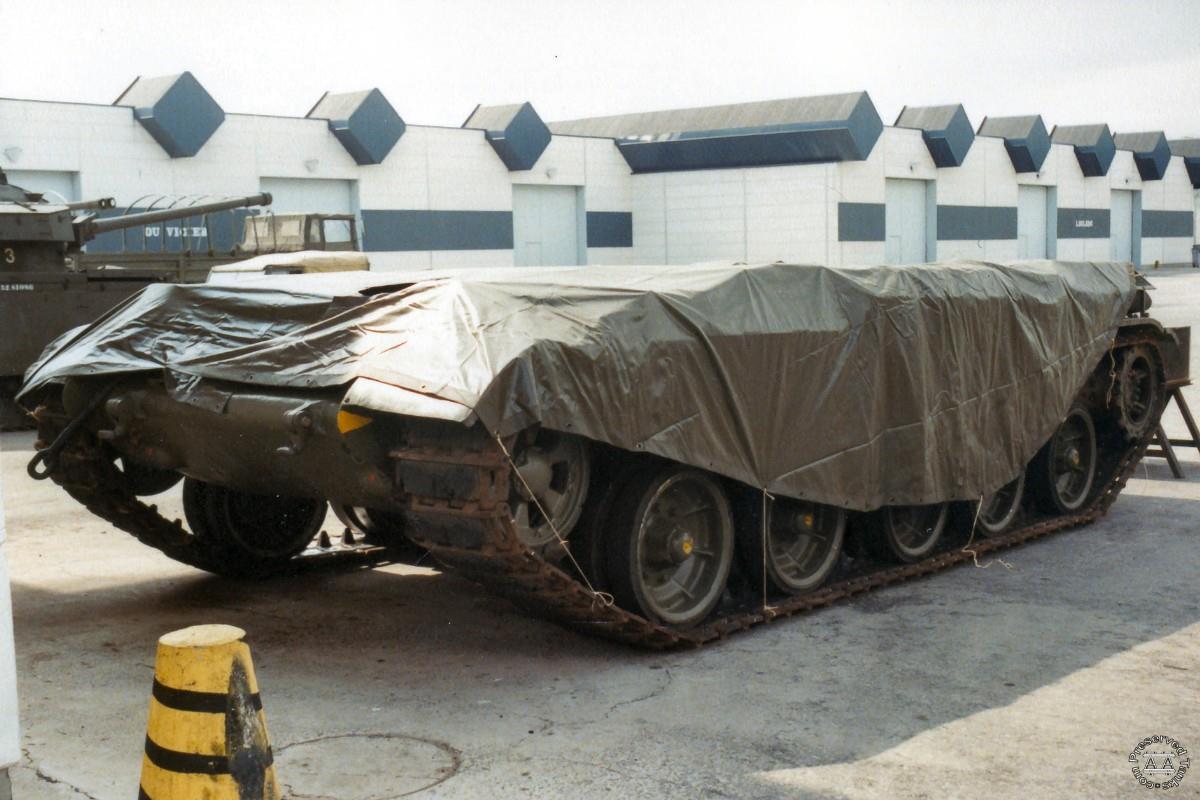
(1134, 64)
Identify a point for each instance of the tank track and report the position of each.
(476, 539)
(90, 475)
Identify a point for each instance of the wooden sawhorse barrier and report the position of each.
(1166, 447)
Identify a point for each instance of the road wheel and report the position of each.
(250, 534)
(804, 543)
(549, 491)
(906, 534)
(1138, 388)
(670, 545)
(1062, 473)
(998, 510)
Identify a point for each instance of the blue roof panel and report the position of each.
(795, 131)
(516, 133)
(1190, 150)
(946, 130)
(1025, 139)
(175, 110)
(364, 122)
(1094, 146)
(1151, 152)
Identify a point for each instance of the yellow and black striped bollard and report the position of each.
(207, 736)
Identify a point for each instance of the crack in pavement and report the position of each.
(666, 684)
(47, 778)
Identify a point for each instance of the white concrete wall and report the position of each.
(986, 178)
(1074, 190)
(786, 212)
(1196, 216)
(430, 168)
(1173, 193)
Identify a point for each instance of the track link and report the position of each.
(484, 545)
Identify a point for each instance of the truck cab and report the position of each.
(291, 233)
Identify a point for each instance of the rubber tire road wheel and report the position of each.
(790, 521)
(589, 537)
(890, 529)
(647, 548)
(1006, 500)
(1055, 460)
(229, 524)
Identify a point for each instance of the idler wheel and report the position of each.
(906, 533)
(670, 546)
(249, 534)
(1138, 390)
(1062, 473)
(998, 510)
(804, 543)
(549, 490)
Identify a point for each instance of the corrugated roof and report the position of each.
(338, 106)
(734, 116)
(1009, 127)
(1143, 142)
(1188, 148)
(1083, 135)
(493, 118)
(146, 91)
(927, 117)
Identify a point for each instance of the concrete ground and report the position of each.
(1033, 677)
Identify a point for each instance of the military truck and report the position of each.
(197, 253)
(660, 455)
(45, 291)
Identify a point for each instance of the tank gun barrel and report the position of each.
(94, 227)
(99, 203)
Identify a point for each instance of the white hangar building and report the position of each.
(815, 180)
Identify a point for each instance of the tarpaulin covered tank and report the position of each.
(841, 388)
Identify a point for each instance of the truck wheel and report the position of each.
(249, 534)
(670, 546)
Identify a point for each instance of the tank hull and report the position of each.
(37, 308)
(472, 421)
(453, 486)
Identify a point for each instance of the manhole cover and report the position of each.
(363, 766)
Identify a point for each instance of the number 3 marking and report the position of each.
(9, 256)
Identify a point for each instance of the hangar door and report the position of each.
(1121, 225)
(546, 226)
(59, 187)
(1031, 222)
(905, 221)
(311, 195)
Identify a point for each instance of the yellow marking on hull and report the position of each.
(348, 421)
